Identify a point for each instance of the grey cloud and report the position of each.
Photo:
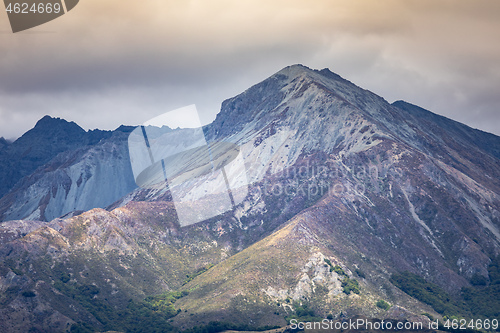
(109, 64)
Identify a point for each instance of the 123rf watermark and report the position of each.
(391, 325)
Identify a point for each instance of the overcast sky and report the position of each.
(112, 62)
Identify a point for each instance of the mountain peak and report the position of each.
(49, 137)
(3, 143)
(339, 187)
(48, 121)
(263, 102)
(52, 127)
(296, 67)
(296, 70)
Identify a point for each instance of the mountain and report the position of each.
(49, 137)
(412, 191)
(82, 173)
(444, 128)
(351, 201)
(3, 143)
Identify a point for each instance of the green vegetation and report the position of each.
(337, 269)
(383, 304)
(190, 277)
(480, 301)
(349, 285)
(217, 326)
(302, 312)
(10, 263)
(428, 315)
(153, 312)
(165, 303)
(478, 280)
(426, 292)
(64, 277)
(484, 301)
(360, 273)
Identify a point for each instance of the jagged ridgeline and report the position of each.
(355, 208)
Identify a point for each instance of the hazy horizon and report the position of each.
(109, 63)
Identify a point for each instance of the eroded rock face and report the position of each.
(335, 173)
(46, 140)
(91, 176)
(314, 273)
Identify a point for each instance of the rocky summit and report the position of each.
(354, 207)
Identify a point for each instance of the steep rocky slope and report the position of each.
(49, 137)
(345, 190)
(410, 190)
(79, 179)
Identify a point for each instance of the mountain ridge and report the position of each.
(51, 151)
(94, 175)
(49, 137)
(488, 146)
(345, 190)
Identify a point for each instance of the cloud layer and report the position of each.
(116, 62)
